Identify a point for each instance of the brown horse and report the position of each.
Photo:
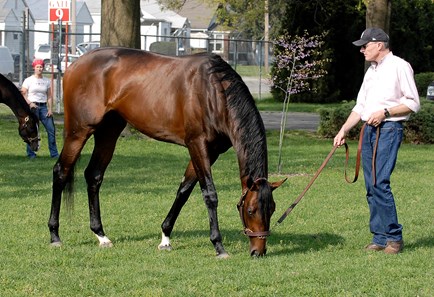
(27, 121)
(198, 102)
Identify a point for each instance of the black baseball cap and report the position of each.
(372, 34)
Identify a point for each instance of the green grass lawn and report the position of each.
(316, 251)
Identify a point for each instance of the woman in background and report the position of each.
(36, 89)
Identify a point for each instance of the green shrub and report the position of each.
(422, 82)
(419, 129)
(332, 119)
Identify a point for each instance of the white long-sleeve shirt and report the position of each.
(385, 85)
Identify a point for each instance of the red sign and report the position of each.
(59, 13)
(59, 10)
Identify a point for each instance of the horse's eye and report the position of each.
(250, 211)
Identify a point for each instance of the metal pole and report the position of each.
(260, 69)
(59, 70)
(23, 49)
(266, 36)
(73, 27)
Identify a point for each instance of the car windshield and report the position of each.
(44, 48)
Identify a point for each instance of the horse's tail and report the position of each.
(68, 191)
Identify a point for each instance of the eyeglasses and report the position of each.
(366, 45)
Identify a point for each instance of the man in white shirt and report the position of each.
(387, 97)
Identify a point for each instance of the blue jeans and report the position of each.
(48, 122)
(383, 217)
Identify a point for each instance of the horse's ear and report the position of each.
(277, 184)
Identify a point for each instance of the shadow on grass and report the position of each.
(285, 243)
(301, 243)
(419, 243)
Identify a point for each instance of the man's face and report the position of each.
(371, 50)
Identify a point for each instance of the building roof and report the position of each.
(198, 13)
(153, 8)
(94, 6)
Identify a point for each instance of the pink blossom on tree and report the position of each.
(299, 60)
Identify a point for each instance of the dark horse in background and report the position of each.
(198, 102)
(28, 122)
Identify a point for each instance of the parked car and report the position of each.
(6, 63)
(63, 64)
(88, 46)
(43, 52)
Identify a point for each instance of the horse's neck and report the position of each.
(253, 158)
(16, 103)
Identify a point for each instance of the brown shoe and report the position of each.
(374, 247)
(394, 247)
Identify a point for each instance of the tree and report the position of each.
(241, 16)
(298, 62)
(344, 20)
(378, 14)
(120, 23)
(412, 31)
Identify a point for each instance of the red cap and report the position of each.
(37, 62)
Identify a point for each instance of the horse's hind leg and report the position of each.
(63, 172)
(185, 188)
(106, 136)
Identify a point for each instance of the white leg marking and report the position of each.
(165, 243)
(104, 241)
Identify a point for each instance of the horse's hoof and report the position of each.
(223, 256)
(56, 244)
(106, 245)
(165, 247)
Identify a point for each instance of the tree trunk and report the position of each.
(120, 23)
(378, 14)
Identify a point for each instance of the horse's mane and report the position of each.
(250, 128)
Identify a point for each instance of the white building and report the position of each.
(12, 13)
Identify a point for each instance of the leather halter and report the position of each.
(24, 126)
(247, 231)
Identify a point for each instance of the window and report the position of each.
(216, 43)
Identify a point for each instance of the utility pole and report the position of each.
(73, 26)
(266, 36)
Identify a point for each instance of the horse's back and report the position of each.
(159, 95)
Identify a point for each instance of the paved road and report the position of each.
(257, 85)
(294, 121)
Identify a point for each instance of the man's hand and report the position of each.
(339, 138)
(376, 118)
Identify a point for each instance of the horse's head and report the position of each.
(28, 130)
(256, 207)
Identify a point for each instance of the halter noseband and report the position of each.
(247, 231)
(24, 126)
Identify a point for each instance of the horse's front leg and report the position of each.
(185, 188)
(202, 159)
(209, 194)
